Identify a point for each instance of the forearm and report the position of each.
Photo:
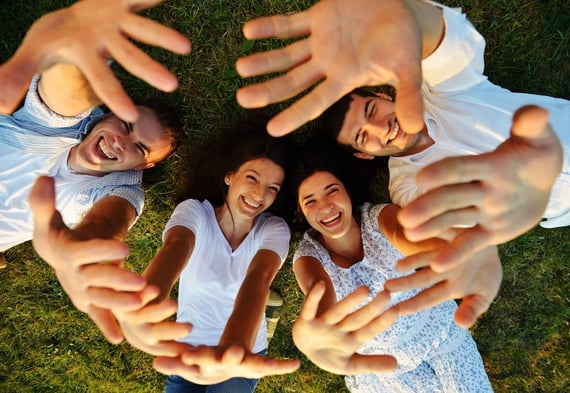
(243, 324)
(166, 266)
(308, 272)
(64, 89)
(109, 218)
(430, 22)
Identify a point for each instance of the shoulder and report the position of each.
(308, 246)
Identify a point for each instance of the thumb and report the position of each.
(531, 122)
(15, 77)
(42, 204)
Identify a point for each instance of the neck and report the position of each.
(423, 141)
(234, 229)
(346, 250)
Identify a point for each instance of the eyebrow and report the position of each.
(144, 147)
(357, 135)
(259, 174)
(326, 188)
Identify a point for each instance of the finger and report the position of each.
(106, 323)
(438, 201)
(464, 245)
(341, 309)
(409, 105)
(153, 33)
(438, 225)
(359, 364)
(15, 77)
(377, 325)
(170, 330)
(279, 88)
(157, 312)
(281, 366)
(112, 277)
(98, 250)
(415, 261)
(107, 87)
(305, 109)
(470, 309)
(420, 279)
(427, 298)
(173, 366)
(455, 170)
(531, 122)
(141, 65)
(114, 300)
(274, 61)
(365, 314)
(233, 356)
(279, 26)
(312, 300)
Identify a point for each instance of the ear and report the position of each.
(228, 179)
(384, 96)
(145, 166)
(363, 156)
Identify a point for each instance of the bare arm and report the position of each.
(308, 272)
(64, 89)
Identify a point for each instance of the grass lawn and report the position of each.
(46, 345)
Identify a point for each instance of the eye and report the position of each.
(332, 191)
(274, 189)
(362, 138)
(251, 178)
(140, 150)
(310, 202)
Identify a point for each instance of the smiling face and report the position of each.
(253, 187)
(115, 145)
(326, 205)
(370, 126)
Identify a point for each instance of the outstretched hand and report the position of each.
(94, 287)
(348, 44)
(87, 34)
(331, 339)
(504, 193)
(476, 281)
(207, 365)
(149, 330)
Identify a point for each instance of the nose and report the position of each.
(258, 193)
(378, 126)
(121, 142)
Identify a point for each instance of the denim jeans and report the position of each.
(176, 384)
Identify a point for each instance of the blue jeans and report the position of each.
(176, 384)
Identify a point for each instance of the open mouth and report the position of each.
(331, 220)
(394, 131)
(251, 204)
(104, 150)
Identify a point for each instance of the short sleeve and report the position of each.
(402, 184)
(275, 236)
(35, 111)
(189, 214)
(458, 62)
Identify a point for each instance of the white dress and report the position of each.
(433, 353)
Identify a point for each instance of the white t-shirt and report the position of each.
(466, 115)
(36, 141)
(213, 274)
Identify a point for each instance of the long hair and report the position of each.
(246, 141)
(323, 155)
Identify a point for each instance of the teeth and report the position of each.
(251, 204)
(328, 221)
(395, 129)
(105, 150)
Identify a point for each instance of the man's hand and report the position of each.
(93, 286)
(148, 330)
(476, 281)
(209, 365)
(88, 34)
(504, 193)
(348, 44)
(331, 339)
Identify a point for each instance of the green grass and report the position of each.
(46, 345)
